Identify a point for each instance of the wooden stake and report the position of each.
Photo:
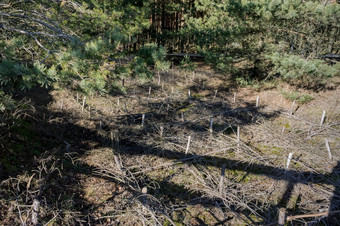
(77, 97)
(111, 137)
(36, 210)
(211, 124)
(117, 161)
(257, 101)
(328, 149)
(215, 94)
(188, 145)
(161, 129)
(89, 111)
(61, 105)
(83, 105)
(193, 75)
(289, 159)
(172, 89)
(323, 117)
(149, 96)
(100, 125)
(282, 131)
(163, 86)
(189, 94)
(234, 97)
(143, 117)
(118, 102)
(238, 136)
(282, 217)
(222, 178)
(292, 109)
(159, 78)
(182, 116)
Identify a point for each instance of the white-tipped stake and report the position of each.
(161, 129)
(292, 109)
(222, 178)
(215, 94)
(111, 136)
(118, 101)
(188, 145)
(257, 101)
(289, 159)
(143, 118)
(282, 132)
(189, 95)
(211, 124)
(323, 117)
(193, 75)
(83, 105)
(238, 136)
(149, 96)
(234, 97)
(35, 212)
(328, 149)
(100, 125)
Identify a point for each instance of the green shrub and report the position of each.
(186, 64)
(18, 75)
(310, 74)
(95, 83)
(301, 98)
(140, 69)
(151, 53)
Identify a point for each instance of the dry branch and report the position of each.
(322, 214)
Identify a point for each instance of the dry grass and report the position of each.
(121, 172)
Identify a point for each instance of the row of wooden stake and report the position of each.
(211, 123)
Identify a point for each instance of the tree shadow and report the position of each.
(82, 140)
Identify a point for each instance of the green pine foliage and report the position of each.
(302, 72)
(140, 69)
(186, 64)
(150, 55)
(77, 43)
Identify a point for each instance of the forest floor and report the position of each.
(166, 158)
